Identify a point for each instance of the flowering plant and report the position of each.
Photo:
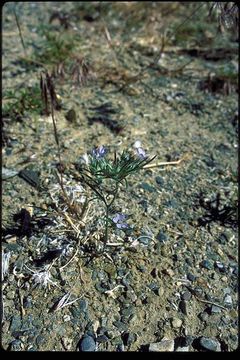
(105, 175)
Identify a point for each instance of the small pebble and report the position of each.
(203, 316)
(164, 345)
(228, 301)
(191, 277)
(186, 295)
(206, 264)
(215, 309)
(176, 323)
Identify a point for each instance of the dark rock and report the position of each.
(16, 323)
(83, 305)
(87, 343)
(155, 288)
(161, 236)
(144, 204)
(183, 307)
(222, 239)
(27, 302)
(209, 344)
(191, 277)
(147, 187)
(30, 176)
(159, 180)
(129, 338)
(102, 338)
(206, 264)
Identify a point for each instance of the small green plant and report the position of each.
(105, 176)
(16, 103)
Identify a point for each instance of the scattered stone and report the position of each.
(220, 266)
(102, 338)
(155, 288)
(71, 116)
(182, 349)
(203, 316)
(215, 309)
(30, 176)
(147, 187)
(228, 301)
(120, 325)
(16, 323)
(159, 180)
(186, 295)
(8, 173)
(87, 344)
(15, 345)
(27, 302)
(161, 236)
(83, 305)
(183, 307)
(209, 344)
(206, 264)
(129, 338)
(120, 348)
(176, 323)
(164, 345)
(191, 277)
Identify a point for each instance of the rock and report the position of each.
(71, 116)
(120, 325)
(228, 301)
(120, 348)
(191, 277)
(16, 323)
(129, 338)
(215, 309)
(159, 180)
(176, 323)
(209, 344)
(147, 187)
(186, 295)
(102, 338)
(182, 349)
(161, 237)
(203, 316)
(8, 173)
(183, 307)
(27, 302)
(164, 345)
(220, 266)
(206, 264)
(87, 344)
(83, 305)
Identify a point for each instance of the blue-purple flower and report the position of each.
(99, 152)
(119, 219)
(141, 153)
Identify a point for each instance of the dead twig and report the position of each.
(166, 163)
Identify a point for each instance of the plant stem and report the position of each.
(106, 226)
